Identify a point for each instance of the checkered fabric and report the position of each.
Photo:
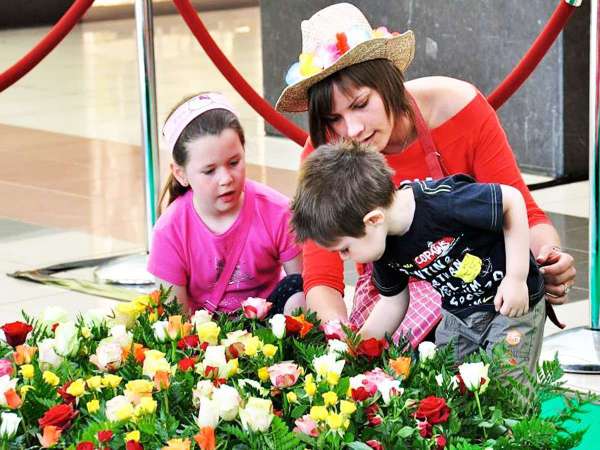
(422, 315)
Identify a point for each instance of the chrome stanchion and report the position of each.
(131, 270)
(578, 349)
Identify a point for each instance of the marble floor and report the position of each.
(71, 182)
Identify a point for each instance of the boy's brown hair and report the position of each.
(338, 185)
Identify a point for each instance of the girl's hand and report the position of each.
(512, 297)
(558, 269)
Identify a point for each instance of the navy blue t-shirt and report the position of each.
(455, 242)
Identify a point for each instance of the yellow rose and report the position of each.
(335, 421)
(140, 386)
(154, 361)
(233, 367)
(252, 346)
(24, 390)
(125, 412)
(94, 382)
(86, 332)
(330, 398)
(132, 436)
(110, 380)
(318, 413)
(50, 378)
(92, 406)
(292, 397)
(263, 374)
(347, 407)
(127, 313)
(269, 350)
(209, 332)
(27, 371)
(333, 378)
(147, 405)
(76, 388)
(310, 387)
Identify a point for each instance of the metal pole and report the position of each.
(594, 167)
(578, 349)
(145, 38)
(131, 270)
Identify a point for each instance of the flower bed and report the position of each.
(148, 378)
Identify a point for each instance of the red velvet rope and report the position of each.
(260, 105)
(46, 45)
(534, 55)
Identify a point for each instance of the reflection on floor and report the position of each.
(71, 182)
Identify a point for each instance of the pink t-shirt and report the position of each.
(186, 253)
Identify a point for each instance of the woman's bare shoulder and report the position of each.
(440, 98)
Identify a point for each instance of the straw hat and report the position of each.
(336, 37)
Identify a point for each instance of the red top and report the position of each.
(471, 142)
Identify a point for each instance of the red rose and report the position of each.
(133, 445)
(234, 350)
(440, 441)
(87, 445)
(424, 429)
(359, 394)
(16, 332)
(375, 444)
(62, 391)
(373, 418)
(59, 416)
(191, 341)
(433, 409)
(186, 364)
(105, 435)
(371, 348)
(204, 346)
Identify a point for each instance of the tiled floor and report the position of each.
(71, 182)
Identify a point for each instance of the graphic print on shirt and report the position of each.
(460, 277)
(238, 276)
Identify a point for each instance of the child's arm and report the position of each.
(180, 292)
(512, 297)
(293, 265)
(297, 300)
(386, 316)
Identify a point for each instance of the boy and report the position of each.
(469, 240)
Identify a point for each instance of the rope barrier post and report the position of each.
(578, 349)
(131, 270)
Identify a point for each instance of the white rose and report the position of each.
(122, 336)
(426, 350)
(114, 405)
(278, 325)
(96, 316)
(54, 314)
(228, 401)
(9, 422)
(65, 339)
(201, 316)
(337, 347)
(439, 379)
(474, 375)
(214, 356)
(160, 330)
(47, 357)
(328, 363)
(257, 414)
(204, 389)
(208, 415)
(389, 388)
(6, 384)
(2, 336)
(108, 356)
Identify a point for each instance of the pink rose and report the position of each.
(256, 308)
(333, 330)
(307, 426)
(284, 374)
(6, 367)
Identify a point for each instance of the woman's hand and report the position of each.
(558, 269)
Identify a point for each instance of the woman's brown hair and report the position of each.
(209, 123)
(378, 74)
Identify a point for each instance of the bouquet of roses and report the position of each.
(147, 377)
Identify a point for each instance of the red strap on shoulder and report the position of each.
(432, 157)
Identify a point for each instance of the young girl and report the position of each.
(222, 238)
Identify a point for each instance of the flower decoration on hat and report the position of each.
(327, 53)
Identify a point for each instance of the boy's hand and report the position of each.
(512, 297)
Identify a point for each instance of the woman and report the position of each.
(349, 79)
